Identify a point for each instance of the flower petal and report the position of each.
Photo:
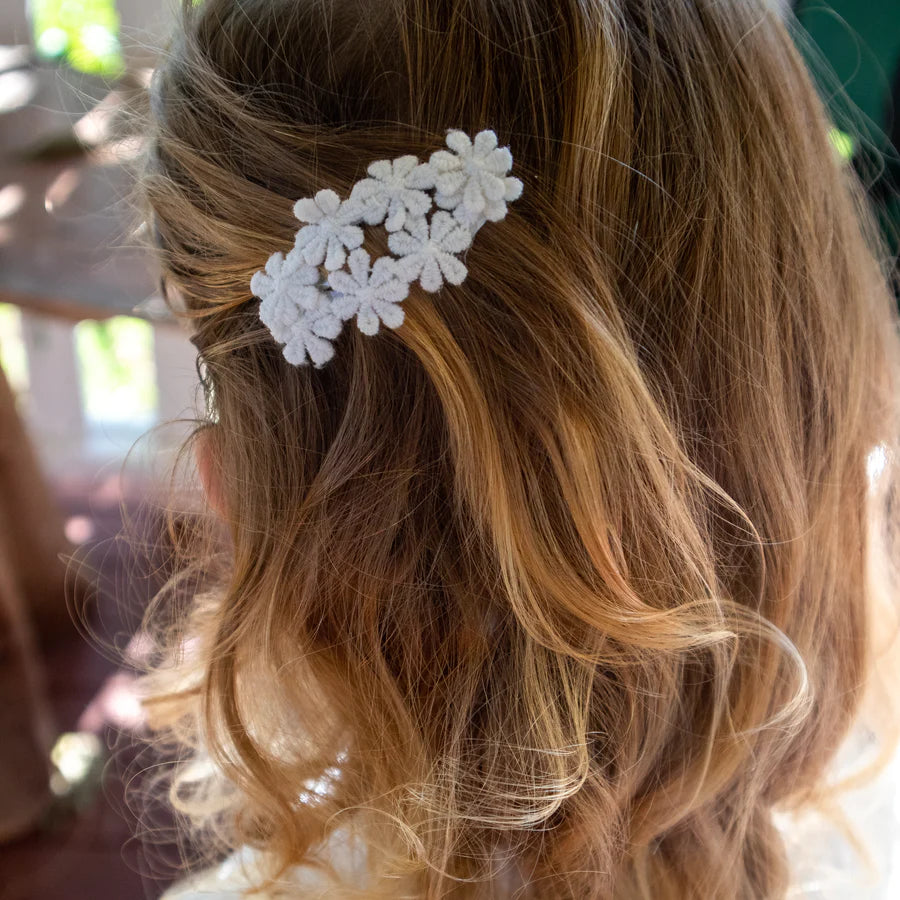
(351, 211)
(492, 188)
(485, 141)
(403, 165)
(344, 306)
(453, 269)
(261, 284)
(421, 177)
(396, 217)
(513, 189)
(459, 142)
(310, 244)
(447, 201)
(457, 240)
(442, 161)
(320, 350)
(336, 255)
(360, 263)
(473, 198)
(367, 321)
(327, 325)
(382, 270)
(471, 220)
(450, 184)
(306, 210)
(401, 243)
(392, 314)
(417, 203)
(499, 161)
(431, 279)
(342, 282)
(410, 267)
(494, 212)
(328, 201)
(380, 169)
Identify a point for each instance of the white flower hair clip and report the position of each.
(305, 307)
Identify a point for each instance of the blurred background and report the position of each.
(90, 365)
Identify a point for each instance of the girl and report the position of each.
(549, 576)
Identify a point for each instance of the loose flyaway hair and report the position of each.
(563, 586)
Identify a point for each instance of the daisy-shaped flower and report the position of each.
(472, 179)
(332, 229)
(370, 292)
(286, 284)
(394, 192)
(312, 334)
(295, 309)
(427, 251)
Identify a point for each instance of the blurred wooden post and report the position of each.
(31, 525)
(25, 719)
(30, 537)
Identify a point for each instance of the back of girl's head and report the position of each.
(570, 568)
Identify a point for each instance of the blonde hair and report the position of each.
(570, 569)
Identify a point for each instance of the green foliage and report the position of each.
(12, 350)
(118, 377)
(83, 33)
(844, 143)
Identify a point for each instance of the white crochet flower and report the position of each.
(312, 336)
(286, 281)
(472, 179)
(427, 251)
(394, 192)
(295, 309)
(372, 293)
(332, 229)
(306, 314)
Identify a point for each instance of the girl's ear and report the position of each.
(208, 468)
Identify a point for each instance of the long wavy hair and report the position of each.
(569, 576)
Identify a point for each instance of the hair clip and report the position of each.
(431, 212)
